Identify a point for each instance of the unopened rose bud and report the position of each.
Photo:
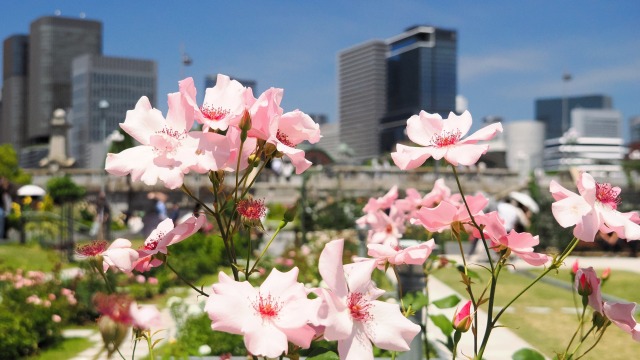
(290, 214)
(245, 122)
(112, 332)
(574, 270)
(606, 274)
(584, 286)
(442, 262)
(462, 318)
(270, 149)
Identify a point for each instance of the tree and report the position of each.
(9, 166)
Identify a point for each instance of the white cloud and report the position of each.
(519, 60)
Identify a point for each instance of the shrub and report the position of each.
(196, 332)
(18, 337)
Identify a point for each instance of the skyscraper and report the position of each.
(383, 83)
(210, 81)
(553, 111)
(362, 96)
(104, 88)
(421, 75)
(14, 89)
(53, 43)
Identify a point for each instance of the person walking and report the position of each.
(5, 206)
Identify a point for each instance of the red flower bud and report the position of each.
(462, 318)
(584, 286)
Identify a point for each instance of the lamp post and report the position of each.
(566, 77)
(103, 105)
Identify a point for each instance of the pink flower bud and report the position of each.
(584, 286)
(152, 280)
(141, 279)
(56, 318)
(462, 318)
(52, 297)
(606, 274)
(574, 268)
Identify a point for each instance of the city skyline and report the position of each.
(507, 57)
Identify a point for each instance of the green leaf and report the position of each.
(472, 274)
(443, 323)
(448, 302)
(326, 355)
(527, 354)
(417, 300)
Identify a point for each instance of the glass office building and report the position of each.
(421, 75)
(53, 44)
(14, 90)
(555, 113)
(118, 81)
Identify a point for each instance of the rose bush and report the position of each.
(236, 137)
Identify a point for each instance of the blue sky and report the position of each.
(510, 52)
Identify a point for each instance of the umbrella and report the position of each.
(31, 190)
(525, 200)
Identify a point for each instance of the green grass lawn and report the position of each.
(66, 350)
(29, 257)
(621, 284)
(549, 332)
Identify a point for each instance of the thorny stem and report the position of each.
(185, 280)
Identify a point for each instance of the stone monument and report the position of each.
(57, 157)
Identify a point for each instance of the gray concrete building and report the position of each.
(362, 96)
(104, 88)
(53, 44)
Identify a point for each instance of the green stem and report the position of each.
(395, 271)
(110, 288)
(135, 344)
(582, 341)
(185, 280)
(579, 329)
(204, 206)
(556, 264)
(151, 357)
(594, 344)
(492, 294)
(473, 220)
(280, 227)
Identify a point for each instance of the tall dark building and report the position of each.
(421, 75)
(210, 81)
(555, 113)
(15, 51)
(383, 83)
(53, 43)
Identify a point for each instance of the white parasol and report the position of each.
(31, 190)
(525, 200)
